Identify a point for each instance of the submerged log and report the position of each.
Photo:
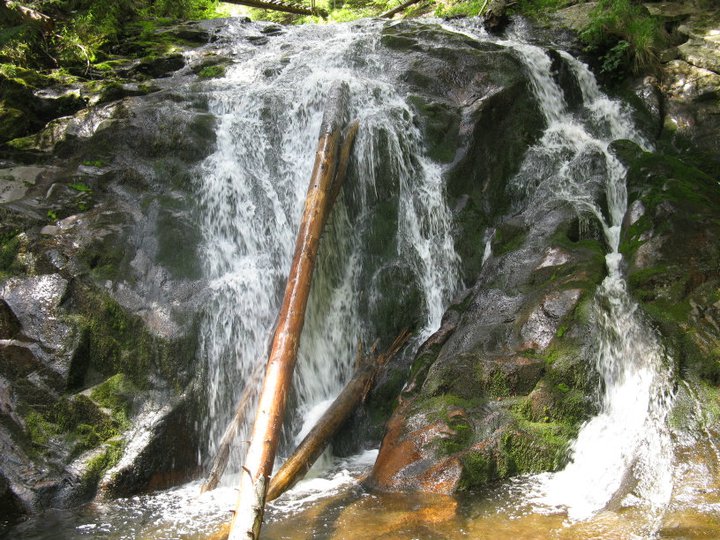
(250, 506)
(313, 445)
(223, 454)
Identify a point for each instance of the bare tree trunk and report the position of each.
(250, 506)
(316, 441)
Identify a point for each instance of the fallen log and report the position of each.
(223, 453)
(250, 506)
(315, 442)
(277, 5)
(391, 12)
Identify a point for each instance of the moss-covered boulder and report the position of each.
(504, 385)
(672, 242)
(97, 273)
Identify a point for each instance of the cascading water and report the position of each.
(270, 108)
(624, 454)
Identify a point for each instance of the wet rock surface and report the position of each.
(98, 287)
(672, 242)
(506, 390)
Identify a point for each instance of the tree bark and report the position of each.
(250, 505)
(223, 453)
(313, 445)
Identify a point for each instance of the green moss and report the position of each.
(534, 447)
(116, 394)
(102, 462)
(495, 383)
(440, 125)
(508, 237)
(477, 471)
(438, 406)
(40, 429)
(76, 419)
(114, 341)
(9, 249)
(212, 72)
(81, 187)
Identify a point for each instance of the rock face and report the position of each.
(98, 292)
(690, 78)
(500, 388)
(672, 242)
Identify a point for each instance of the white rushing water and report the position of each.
(623, 456)
(270, 106)
(254, 188)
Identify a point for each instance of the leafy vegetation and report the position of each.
(623, 33)
(84, 33)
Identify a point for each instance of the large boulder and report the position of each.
(672, 242)
(98, 301)
(502, 388)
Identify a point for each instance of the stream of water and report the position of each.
(624, 479)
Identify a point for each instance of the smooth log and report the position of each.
(250, 506)
(315, 442)
(223, 454)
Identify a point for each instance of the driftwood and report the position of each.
(313, 445)
(397, 9)
(223, 454)
(277, 5)
(250, 506)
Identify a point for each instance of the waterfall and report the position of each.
(269, 108)
(624, 454)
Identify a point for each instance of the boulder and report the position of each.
(672, 243)
(503, 390)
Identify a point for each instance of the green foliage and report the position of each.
(624, 34)
(540, 8)
(85, 31)
(450, 10)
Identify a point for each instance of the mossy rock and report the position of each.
(672, 241)
(114, 341)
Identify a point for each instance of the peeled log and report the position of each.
(312, 446)
(250, 506)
